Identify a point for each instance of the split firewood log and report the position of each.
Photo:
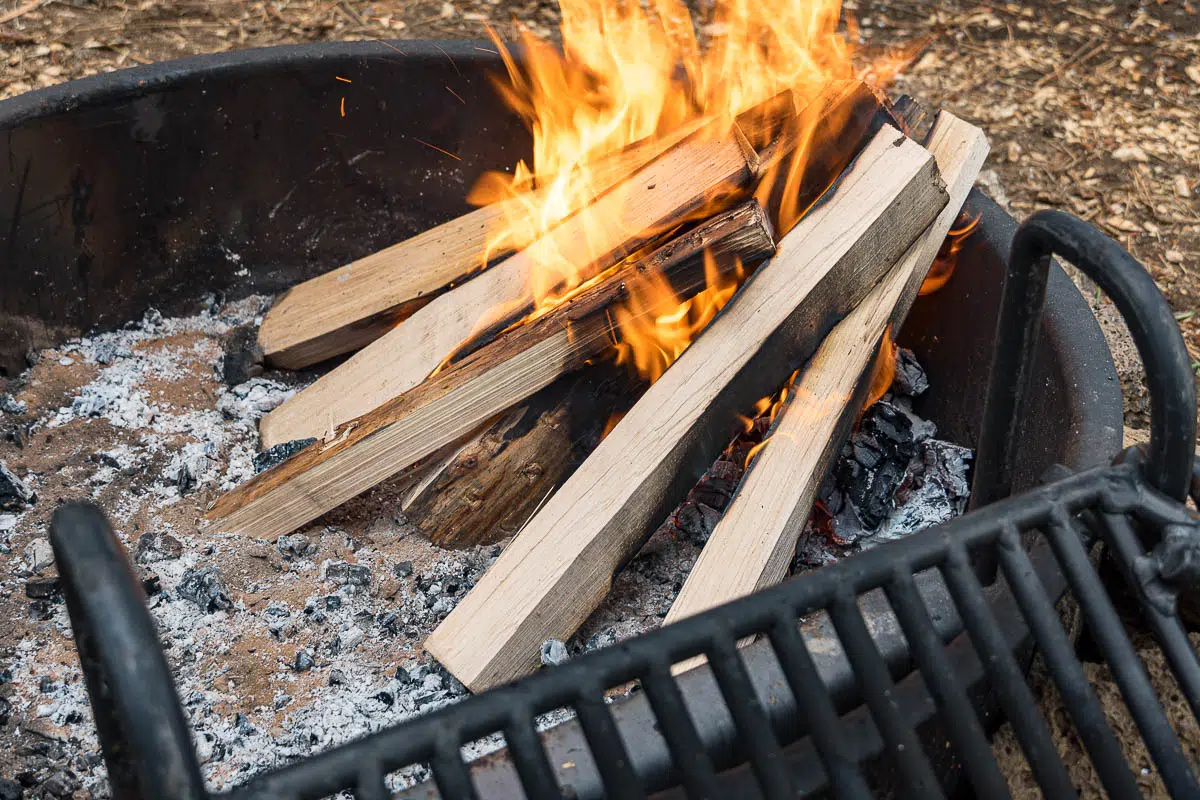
(560, 566)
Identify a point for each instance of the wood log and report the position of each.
(753, 543)
(560, 566)
(652, 200)
(492, 484)
(458, 400)
(350, 307)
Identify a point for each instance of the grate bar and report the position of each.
(877, 686)
(749, 718)
(826, 730)
(371, 783)
(1058, 654)
(449, 772)
(1171, 636)
(1122, 659)
(529, 757)
(612, 759)
(675, 724)
(1005, 677)
(963, 726)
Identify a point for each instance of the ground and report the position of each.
(1093, 108)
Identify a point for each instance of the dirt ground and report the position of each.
(1093, 108)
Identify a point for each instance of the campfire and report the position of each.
(739, 220)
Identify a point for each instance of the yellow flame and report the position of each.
(647, 72)
(943, 266)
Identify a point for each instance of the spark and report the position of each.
(456, 96)
(440, 150)
(487, 50)
(343, 106)
(343, 80)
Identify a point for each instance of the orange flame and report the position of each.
(656, 326)
(634, 72)
(947, 260)
(884, 370)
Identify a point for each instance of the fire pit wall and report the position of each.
(238, 173)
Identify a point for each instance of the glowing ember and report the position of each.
(633, 72)
(947, 260)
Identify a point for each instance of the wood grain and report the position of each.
(461, 398)
(350, 307)
(560, 566)
(652, 200)
(753, 544)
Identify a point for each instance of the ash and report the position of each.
(287, 648)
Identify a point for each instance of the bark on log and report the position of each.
(496, 480)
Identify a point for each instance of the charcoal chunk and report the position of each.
(243, 357)
(304, 661)
(206, 588)
(152, 547)
(5, 710)
(343, 573)
(11, 790)
(14, 492)
(61, 784)
(697, 521)
(403, 570)
(910, 379)
(10, 405)
(280, 453)
(43, 589)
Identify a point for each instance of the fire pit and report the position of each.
(248, 172)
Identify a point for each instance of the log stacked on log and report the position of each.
(756, 538)
(455, 402)
(560, 566)
(501, 420)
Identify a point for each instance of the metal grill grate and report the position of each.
(1113, 501)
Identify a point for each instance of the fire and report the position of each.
(640, 72)
(656, 326)
(947, 260)
(883, 371)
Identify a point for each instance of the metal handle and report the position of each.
(1151, 324)
(145, 738)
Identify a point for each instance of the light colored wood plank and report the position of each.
(560, 566)
(350, 307)
(752, 545)
(651, 200)
(459, 399)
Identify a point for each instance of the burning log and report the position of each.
(560, 567)
(752, 545)
(492, 484)
(352, 306)
(461, 398)
(651, 200)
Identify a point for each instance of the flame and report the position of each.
(947, 260)
(648, 73)
(884, 370)
(656, 326)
